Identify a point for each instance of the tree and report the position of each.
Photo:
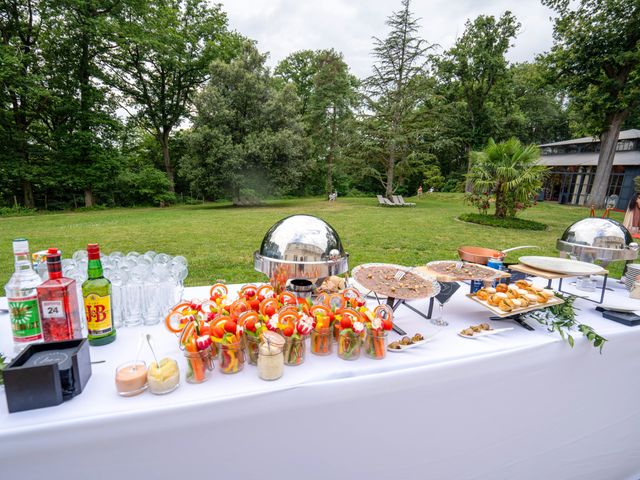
(80, 119)
(400, 59)
(246, 141)
(161, 56)
(471, 69)
(330, 111)
(510, 172)
(21, 91)
(299, 69)
(533, 109)
(596, 56)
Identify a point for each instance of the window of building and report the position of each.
(615, 184)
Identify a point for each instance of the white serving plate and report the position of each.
(413, 345)
(620, 308)
(564, 266)
(485, 333)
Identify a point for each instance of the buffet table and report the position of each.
(519, 405)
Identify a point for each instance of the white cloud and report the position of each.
(285, 26)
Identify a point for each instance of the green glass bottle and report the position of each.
(96, 292)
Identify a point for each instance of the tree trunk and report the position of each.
(27, 190)
(163, 137)
(501, 210)
(608, 143)
(468, 186)
(332, 146)
(390, 171)
(88, 197)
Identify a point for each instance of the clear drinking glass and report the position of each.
(438, 319)
(134, 293)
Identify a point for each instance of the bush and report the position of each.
(145, 185)
(16, 211)
(454, 184)
(508, 222)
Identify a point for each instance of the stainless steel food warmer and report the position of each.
(301, 249)
(597, 239)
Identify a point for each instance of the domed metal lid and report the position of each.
(301, 246)
(598, 238)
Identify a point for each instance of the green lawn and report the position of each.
(219, 240)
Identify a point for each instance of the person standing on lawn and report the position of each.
(632, 216)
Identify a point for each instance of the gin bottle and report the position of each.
(22, 297)
(58, 300)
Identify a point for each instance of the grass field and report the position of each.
(219, 240)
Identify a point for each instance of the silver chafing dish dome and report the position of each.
(301, 247)
(594, 239)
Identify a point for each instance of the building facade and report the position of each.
(573, 167)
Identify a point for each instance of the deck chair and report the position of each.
(384, 202)
(406, 204)
(398, 200)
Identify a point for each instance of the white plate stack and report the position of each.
(632, 275)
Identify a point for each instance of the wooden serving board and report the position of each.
(445, 277)
(500, 313)
(535, 272)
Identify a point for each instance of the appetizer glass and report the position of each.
(375, 344)
(231, 357)
(321, 341)
(131, 378)
(270, 362)
(349, 344)
(163, 378)
(199, 365)
(294, 350)
(252, 346)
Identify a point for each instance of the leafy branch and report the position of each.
(562, 319)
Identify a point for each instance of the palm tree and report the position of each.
(509, 171)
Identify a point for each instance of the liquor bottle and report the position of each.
(96, 292)
(22, 297)
(58, 300)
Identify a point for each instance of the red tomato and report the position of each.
(387, 324)
(205, 329)
(250, 325)
(230, 327)
(288, 331)
(270, 310)
(254, 304)
(346, 322)
(217, 332)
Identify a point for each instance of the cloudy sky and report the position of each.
(285, 26)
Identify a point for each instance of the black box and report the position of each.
(46, 374)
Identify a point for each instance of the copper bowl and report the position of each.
(482, 255)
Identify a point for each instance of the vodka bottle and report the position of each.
(23, 299)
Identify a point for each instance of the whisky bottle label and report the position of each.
(25, 319)
(98, 311)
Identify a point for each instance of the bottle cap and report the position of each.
(20, 246)
(93, 251)
(53, 255)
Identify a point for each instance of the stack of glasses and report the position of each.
(632, 275)
(144, 286)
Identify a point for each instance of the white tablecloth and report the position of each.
(520, 405)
